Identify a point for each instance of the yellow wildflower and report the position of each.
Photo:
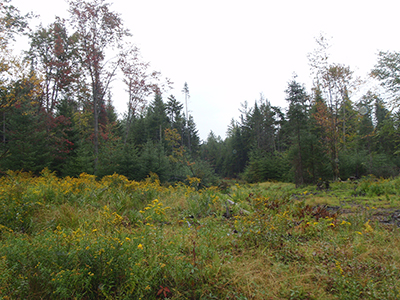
(368, 227)
(140, 246)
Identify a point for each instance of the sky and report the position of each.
(232, 51)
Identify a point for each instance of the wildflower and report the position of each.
(345, 222)
(128, 239)
(359, 232)
(94, 230)
(339, 267)
(140, 246)
(368, 227)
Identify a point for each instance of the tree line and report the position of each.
(57, 112)
(322, 135)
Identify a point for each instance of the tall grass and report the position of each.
(84, 238)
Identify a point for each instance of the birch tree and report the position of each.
(335, 83)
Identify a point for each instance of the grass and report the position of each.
(82, 238)
(366, 192)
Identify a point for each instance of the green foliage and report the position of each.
(266, 166)
(384, 165)
(370, 186)
(354, 164)
(25, 140)
(119, 239)
(80, 160)
(127, 162)
(205, 172)
(386, 70)
(298, 128)
(66, 120)
(153, 160)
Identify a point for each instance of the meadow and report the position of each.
(111, 238)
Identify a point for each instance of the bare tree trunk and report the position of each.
(300, 179)
(4, 127)
(96, 102)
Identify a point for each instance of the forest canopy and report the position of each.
(57, 112)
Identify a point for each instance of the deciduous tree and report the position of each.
(335, 82)
(53, 54)
(140, 84)
(387, 71)
(98, 29)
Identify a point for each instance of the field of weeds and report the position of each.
(82, 238)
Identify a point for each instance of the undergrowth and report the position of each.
(84, 238)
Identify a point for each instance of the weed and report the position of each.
(84, 238)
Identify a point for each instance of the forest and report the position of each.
(57, 112)
(100, 206)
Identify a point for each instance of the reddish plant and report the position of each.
(163, 291)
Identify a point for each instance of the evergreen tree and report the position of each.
(298, 125)
(174, 112)
(320, 166)
(192, 135)
(138, 133)
(156, 119)
(385, 128)
(127, 162)
(236, 152)
(212, 152)
(153, 160)
(24, 132)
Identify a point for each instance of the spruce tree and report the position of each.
(298, 125)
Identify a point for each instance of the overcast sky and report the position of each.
(231, 51)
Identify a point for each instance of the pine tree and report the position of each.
(24, 131)
(298, 125)
(156, 119)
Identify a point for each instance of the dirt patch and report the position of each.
(387, 216)
(390, 216)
